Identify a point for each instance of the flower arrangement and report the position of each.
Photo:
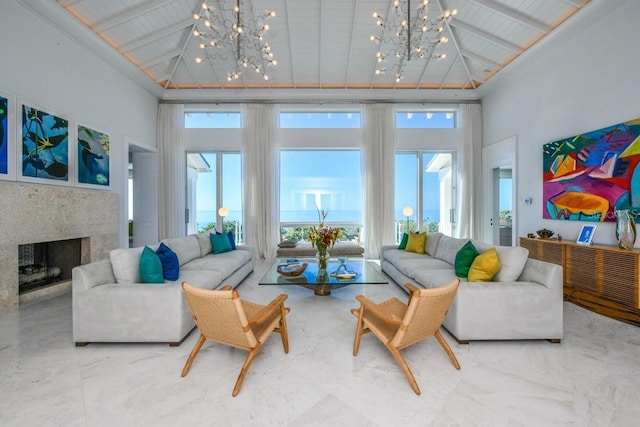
(323, 237)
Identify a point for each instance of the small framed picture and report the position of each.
(586, 234)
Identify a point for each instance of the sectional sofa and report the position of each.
(523, 301)
(111, 304)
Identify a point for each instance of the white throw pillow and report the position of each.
(513, 259)
(126, 264)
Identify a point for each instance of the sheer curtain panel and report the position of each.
(378, 168)
(260, 172)
(469, 204)
(171, 194)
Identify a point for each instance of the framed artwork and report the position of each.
(587, 177)
(586, 234)
(45, 146)
(93, 157)
(7, 137)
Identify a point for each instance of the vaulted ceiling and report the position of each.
(320, 44)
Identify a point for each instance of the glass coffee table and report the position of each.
(353, 272)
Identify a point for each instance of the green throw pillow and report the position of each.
(220, 243)
(464, 259)
(403, 242)
(150, 267)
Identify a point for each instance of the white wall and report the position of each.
(43, 66)
(580, 79)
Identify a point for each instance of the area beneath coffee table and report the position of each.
(365, 274)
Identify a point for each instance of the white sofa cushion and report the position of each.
(186, 248)
(204, 240)
(448, 247)
(432, 243)
(226, 263)
(126, 264)
(512, 258)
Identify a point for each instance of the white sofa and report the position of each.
(110, 304)
(524, 300)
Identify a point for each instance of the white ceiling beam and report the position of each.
(457, 45)
(129, 14)
(320, 38)
(292, 62)
(180, 57)
(574, 3)
(156, 35)
(514, 15)
(160, 59)
(353, 31)
(458, 25)
(494, 65)
(446, 75)
(67, 3)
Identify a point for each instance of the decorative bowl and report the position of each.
(544, 233)
(292, 270)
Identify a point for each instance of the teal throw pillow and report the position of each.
(403, 242)
(170, 263)
(150, 267)
(464, 259)
(220, 243)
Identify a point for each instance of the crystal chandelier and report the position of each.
(406, 36)
(226, 34)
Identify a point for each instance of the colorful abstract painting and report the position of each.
(93, 156)
(45, 145)
(4, 135)
(589, 176)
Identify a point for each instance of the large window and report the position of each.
(424, 183)
(425, 119)
(326, 179)
(324, 119)
(214, 181)
(212, 119)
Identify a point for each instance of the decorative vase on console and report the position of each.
(323, 261)
(625, 228)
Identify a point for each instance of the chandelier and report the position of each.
(225, 34)
(408, 36)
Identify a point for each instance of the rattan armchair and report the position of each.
(222, 316)
(399, 325)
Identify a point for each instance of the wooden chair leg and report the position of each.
(284, 334)
(447, 349)
(243, 372)
(405, 368)
(192, 356)
(359, 329)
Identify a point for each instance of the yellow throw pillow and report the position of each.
(416, 242)
(485, 266)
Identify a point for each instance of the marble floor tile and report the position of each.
(591, 379)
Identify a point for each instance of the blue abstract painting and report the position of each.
(93, 156)
(45, 145)
(4, 136)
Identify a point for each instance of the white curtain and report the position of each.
(171, 194)
(469, 204)
(260, 176)
(379, 174)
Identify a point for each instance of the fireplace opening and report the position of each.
(46, 263)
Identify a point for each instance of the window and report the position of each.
(426, 119)
(212, 120)
(214, 180)
(424, 182)
(328, 179)
(325, 119)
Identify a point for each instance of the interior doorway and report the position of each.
(499, 178)
(142, 196)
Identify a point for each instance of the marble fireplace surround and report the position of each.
(33, 213)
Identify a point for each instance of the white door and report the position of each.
(145, 198)
(498, 163)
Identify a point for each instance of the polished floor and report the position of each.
(591, 379)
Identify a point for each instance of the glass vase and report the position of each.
(323, 261)
(625, 229)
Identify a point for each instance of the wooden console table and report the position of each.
(604, 279)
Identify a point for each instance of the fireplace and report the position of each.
(43, 264)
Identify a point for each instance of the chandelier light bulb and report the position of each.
(196, 33)
(266, 77)
(397, 78)
(196, 16)
(202, 45)
(236, 9)
(396, 3)
(266, 27)
(207, 23)
(444, 39)
(376, 15)
(198, 60)
(454, 12)
(272, 14)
